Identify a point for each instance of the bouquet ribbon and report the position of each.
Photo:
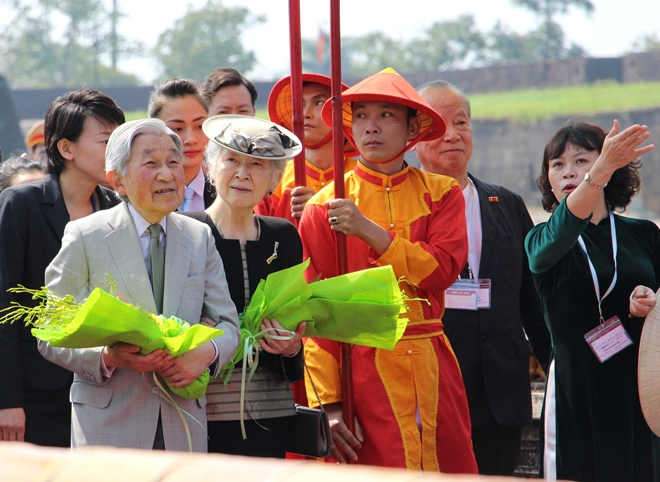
(251, 359)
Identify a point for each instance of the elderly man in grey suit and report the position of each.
(116, 400)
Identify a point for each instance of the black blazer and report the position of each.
(490, 344)
(32, 221)
(289, 253)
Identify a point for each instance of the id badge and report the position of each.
(484, 294)
(457, 298)
(468, 294)
(608, 339)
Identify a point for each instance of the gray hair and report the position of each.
(445, 84)
(120, 143)
(214, 151)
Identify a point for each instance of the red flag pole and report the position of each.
(338, 153)
(296, 88)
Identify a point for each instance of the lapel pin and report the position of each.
(493, 199)
(274, 256)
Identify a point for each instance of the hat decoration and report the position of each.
(252, 136)
(270, 143)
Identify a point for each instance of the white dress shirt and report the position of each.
(473, 220)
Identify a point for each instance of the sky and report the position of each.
(607, 32)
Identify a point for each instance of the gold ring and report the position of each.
(334, 220)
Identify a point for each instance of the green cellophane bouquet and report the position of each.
(361, 308)
(103, 320)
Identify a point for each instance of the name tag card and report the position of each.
(461, 299)
(608, 339)
(468, 294)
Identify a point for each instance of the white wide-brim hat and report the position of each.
(252, 136)
(648, 369)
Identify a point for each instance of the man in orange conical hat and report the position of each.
(288, 201)
(410, 404)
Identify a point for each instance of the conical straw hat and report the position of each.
(388, 86)
(648, 370)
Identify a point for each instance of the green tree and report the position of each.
(444, 45)
(371, 53)
(552, 33)
(647, 43)
(204, 39)
(508, 47)
(25, 56)
(447, 45)
(31, 58)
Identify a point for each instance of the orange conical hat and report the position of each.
(389, 86)
(280, 108)
(35, 135)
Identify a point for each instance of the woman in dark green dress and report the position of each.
(589, 267)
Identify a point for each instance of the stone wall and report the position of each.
(510, 154)
(539, 75)
(641, 67)
(31, 104)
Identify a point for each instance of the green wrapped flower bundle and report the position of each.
(104, 320)
(361, 308)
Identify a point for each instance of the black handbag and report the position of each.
(309, 431)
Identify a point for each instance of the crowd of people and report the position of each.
(189, 209)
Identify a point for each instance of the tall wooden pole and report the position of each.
(296, 89)
(338, 155)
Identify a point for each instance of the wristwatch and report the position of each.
(587, 178)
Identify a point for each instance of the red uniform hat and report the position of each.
(35, 135)
(388, 86)
(280, 106)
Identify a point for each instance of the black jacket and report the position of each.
(289, 253)
(32, 221)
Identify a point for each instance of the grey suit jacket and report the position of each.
(123, 410)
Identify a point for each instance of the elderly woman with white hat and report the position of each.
(246, 158)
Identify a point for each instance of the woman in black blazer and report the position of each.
(34, 398)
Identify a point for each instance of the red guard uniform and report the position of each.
(419, 382)
(278, 204)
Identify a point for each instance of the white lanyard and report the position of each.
(594, 276)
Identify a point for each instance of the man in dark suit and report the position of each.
(489, 342)
(34, 393)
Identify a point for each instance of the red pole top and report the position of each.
(296, 89)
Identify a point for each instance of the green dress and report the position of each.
(600, 430)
